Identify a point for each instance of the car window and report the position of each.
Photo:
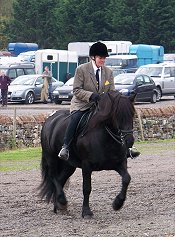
(151, 71)
(12, 73)
(172, 71)
(39, 81)
(29, 71)
(140, 80)
(167, 71)
(147, 80)
(20, 72)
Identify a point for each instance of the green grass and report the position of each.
(29, 158)
(20, 159)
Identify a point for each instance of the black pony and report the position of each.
(102, 145)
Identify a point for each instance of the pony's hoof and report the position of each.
(87, 214)
(117, 204)
(59, 207)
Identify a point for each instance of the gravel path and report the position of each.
(148, 211)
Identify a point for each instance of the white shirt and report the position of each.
(95, 69)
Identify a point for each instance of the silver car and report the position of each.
(27, 88)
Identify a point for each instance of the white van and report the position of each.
(163, 75)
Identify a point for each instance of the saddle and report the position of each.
(82, 124)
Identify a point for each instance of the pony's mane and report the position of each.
(124, 109)
(111, 104)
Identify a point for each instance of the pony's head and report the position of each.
(117, 111)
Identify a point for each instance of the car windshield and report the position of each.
(70, 82)
(23, 81)
(124, 79)
(151, 71)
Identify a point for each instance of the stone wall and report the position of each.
(24, 131)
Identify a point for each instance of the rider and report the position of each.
(91, 79)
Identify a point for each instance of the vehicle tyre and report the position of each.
(154, 97)
(57, 101)
(159, 93)
(29, 98)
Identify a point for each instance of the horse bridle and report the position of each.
(120, 136)
(121, 133)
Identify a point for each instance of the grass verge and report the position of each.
(29, 158)
(20, 159)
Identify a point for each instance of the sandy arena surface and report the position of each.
(149, 209)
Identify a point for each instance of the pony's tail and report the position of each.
(46, 187)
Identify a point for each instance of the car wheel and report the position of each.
(154, 97)
(159, 93)
(57, 101)
(29, 98)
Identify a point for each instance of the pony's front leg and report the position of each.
(86, 211)
(126, 178)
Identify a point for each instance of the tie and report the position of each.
(97, 77)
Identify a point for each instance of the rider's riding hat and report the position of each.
(98, 49)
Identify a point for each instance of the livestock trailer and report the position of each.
(62, 63)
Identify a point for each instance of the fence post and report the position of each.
(14, 128)
(140, 125)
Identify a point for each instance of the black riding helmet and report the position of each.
(98, 49)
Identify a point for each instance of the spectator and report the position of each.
(46, 89)
(4, 83)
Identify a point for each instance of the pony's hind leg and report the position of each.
(126, 178)
(59, 199)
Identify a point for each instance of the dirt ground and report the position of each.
(148, 211)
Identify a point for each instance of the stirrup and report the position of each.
(64, 153)
(131, 152)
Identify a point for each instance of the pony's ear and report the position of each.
(132, 97)
(103, 110)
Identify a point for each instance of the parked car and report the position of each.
(27, 88)
(64, 93)
(18, 69)
(142, 85)
(163, 75)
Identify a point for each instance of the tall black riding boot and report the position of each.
(69, 135)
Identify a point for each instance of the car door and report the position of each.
(38, 87)
(140, 88)
(168, 80)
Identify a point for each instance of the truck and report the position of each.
(16, 48)
(114, 47)
(147, 54)
(62, 63)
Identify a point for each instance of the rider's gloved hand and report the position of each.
(94, 98)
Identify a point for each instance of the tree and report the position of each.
(33, 22)
(82, 21)
(124, 20)
(158, 23)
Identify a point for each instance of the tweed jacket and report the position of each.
(85, 84)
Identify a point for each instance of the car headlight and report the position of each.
(124, 91)
(55, 92)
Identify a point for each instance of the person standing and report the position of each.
(47, 85)
(4, 83)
